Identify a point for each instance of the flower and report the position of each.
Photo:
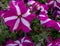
(54, 42)
(49, 23)
(55, 6)
(36, 6)
(25, 41)
(18, 17)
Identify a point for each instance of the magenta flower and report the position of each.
(54, 42)
(35, 6)
(25, 41)
(49, 23)
(18, 17)
(53, 3)
(55, 6)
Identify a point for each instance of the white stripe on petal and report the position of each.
(26, 23)
(17, 8)
(42, 8)
(16, 24)
(45, 21)
(50, 44)
(27, 13)
(55, 5)
(18, 42)
(10, 18)
(31, 2)
(11, 45)
(58, 12)
(58, 1)
(58, 24)
(51, 2)
(20, 45)
(22, 40)
(2, 14)
(42, 15)
(27, 41)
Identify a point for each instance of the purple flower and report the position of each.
(49, 23)
(55, 6)
(35, 6)
(18, 17)
(25, 41)
(54, 42)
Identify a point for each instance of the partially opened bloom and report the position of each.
(55, 6)
(54, 42)
(18, 17)
(25, 41)
(36, 6)
(49, 23)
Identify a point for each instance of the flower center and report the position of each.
(19, 16)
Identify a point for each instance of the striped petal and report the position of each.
(16, 24)
(17, 9)
(27, 41)
(27, 13)
(11, 45)
(26, 23)
(10, 18)
(43, 22)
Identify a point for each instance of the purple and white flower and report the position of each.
(25, 41)
(49, 23)
(18, 17)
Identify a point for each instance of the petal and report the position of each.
(31, 2)
(25, 22)
(51, 2)
(25, 25)
(22, 7)
(16, 24)
(10, 13)
(22, 40)
(30, 17)
(11, 45)
(45, 21)
(28, 41)
(27, 13)
(17, 9)
(17, 41)
(10, 24)
(42, 16)
(10, 18)
(58, 1)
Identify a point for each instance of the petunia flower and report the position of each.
(54, 42)
(55, 6)
(25, 41)
(49, 23)
(36, 6)
(18, 17)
